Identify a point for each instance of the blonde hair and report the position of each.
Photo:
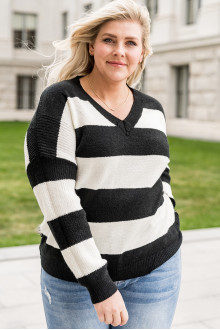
(74, 58)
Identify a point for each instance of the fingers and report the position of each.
(124, 316)
(108, 319)
(113, 319)
(116, 318)
(112, 310)
(101, 318)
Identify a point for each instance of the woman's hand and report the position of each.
(112, 310)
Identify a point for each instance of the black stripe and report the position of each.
(149, 250)
(52, 101)
(166, 178)
(70, 229)
(47, 130)
(134, 263)
(31, 143)
(111, 205)
(173, 201)
(95, 283)
(141, 101)
(166, 175)
(44, 169)
(43, 130)
(104, 141)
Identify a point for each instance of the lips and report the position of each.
(116, 63)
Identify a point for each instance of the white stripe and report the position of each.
(84, 113)
(118, 237)
(152, 118)
(45, 229)
(56, 198)
(26, 154)
(122, 236)
(66, 142)
(83, 258)
(167, 189)
(119, 171)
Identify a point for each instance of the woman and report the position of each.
(96, 155)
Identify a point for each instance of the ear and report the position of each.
(141, 57)
(91, 49)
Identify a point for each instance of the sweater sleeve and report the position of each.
(51, 167)
(165, 177)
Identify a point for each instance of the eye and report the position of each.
(133, 43)
(108, 40)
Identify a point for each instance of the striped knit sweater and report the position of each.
(103, 187)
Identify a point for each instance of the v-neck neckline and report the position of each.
(125, 124)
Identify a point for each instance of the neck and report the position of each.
(106, 88)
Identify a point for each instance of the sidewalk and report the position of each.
(199, 301)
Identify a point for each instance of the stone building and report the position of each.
(28, 28)
(183, 73)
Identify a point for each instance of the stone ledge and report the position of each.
(193, 129)
(16, 115)
(205, 234)
(19, 252)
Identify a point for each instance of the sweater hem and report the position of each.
(56, 266)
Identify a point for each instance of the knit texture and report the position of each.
(103, 187)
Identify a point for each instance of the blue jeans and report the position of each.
(150, 300)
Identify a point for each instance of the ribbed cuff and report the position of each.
(102, 291)
(99, 284)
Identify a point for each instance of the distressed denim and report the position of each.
(150, 300)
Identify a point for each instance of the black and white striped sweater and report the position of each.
(103, 186)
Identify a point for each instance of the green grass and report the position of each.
(19, 211)
(195, 177)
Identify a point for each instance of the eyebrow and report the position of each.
(114, 36)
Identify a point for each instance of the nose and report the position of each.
(119, 50)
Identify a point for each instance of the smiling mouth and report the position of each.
(116, 64)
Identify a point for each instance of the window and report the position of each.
(152, 6)
(182, 75)
(64, 24)
(88, 7)
(192, 9)
(24, 26)
(26, 89)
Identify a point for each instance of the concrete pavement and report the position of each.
(199, 301)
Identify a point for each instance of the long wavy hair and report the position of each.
(71, 55)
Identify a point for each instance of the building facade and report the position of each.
(28, 28)
(183, 73)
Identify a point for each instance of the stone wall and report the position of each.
(204, 80)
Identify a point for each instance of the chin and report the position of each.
(117, 76)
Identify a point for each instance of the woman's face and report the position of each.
(117, 49)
